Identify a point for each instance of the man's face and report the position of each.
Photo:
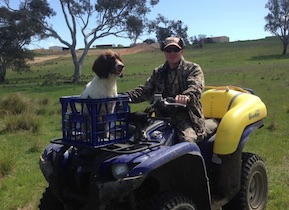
(173, 55)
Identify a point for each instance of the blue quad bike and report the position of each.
(127, 161)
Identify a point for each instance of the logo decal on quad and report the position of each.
(255, 115)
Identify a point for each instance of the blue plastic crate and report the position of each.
(91, 122)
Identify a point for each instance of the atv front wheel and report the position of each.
(254, 185)
(49, 201)
(170, 201)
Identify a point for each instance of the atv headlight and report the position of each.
(119, 170)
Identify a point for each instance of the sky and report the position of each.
(239, 20)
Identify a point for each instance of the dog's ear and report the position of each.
(117, 56)
(100, 66)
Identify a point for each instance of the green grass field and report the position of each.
(30, 111)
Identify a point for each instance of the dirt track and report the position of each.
(123, 51)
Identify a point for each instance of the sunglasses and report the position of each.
(172, 49)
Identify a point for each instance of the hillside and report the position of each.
(45, 55)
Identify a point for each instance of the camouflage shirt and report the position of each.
(187, 79)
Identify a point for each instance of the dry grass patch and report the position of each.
(21, 113)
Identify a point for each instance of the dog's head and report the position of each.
(108, 63)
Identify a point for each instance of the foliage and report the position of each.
(165, 28)
(17, 29)
(13, 36)
(135, 27)
(278, 21)
(35, 13)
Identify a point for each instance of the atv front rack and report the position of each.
(120, 148)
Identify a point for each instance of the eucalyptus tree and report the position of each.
(277, 21)
(94, 19)
(164, 28)
(16, 32)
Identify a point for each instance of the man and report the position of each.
(182, 80)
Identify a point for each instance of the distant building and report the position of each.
(104, 46)
(218, 39)
(58, 48)
(221, 39)
(149, 41)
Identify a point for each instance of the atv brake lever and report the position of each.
(174, 104)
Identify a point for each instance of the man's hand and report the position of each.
(182, 99)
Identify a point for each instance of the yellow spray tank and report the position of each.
(236, 108)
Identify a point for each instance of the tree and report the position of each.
(160, 27)
(278, 21)
(180, 30)
(135, 27)
(17, 31)
(199, 41)
(165, 28)
(162, 33)
(96, 20)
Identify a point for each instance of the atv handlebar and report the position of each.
(169, 101)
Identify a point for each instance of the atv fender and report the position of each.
(178, 168)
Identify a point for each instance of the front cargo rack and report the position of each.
(94, 122)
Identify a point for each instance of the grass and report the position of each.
(30, 111)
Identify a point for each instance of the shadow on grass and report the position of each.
(270, 57)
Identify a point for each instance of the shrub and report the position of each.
(21, 113)
(15, 104)
(26, 121)
(7, 162)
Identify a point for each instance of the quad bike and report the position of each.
(138, 163)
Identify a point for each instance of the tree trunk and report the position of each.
(285, 45)
(2, 73)
(77, 72)
(284, 50)
(78, 63)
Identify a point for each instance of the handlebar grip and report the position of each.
(170, 100)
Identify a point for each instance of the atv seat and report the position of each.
(211, 126)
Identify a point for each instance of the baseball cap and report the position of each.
(172, 41)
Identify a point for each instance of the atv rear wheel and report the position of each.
(254, 185)
(49, 201)
(170, 201)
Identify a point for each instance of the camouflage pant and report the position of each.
(184, 128)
